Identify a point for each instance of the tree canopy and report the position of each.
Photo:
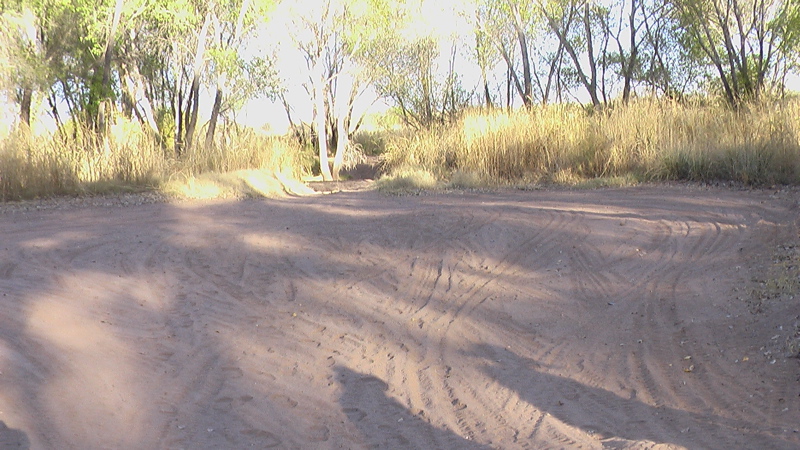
(152, 60)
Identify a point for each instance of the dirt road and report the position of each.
(618, 318)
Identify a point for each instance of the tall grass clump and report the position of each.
(645, 140)
(242, 149)
(77, 159)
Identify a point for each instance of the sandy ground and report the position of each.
(617, 318)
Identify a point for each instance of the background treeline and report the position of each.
(489, 90)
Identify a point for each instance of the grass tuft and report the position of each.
(405, 181)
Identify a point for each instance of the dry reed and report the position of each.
(646, 140)
(77, 160)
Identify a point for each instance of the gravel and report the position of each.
(102, 201)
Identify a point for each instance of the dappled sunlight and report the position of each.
(355, 320)
(210, 284)
(522, 386)
(96, 380)
(264, 242)
(53, 242)
(236, 185)
(195, 188)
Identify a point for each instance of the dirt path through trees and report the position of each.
(617, 318)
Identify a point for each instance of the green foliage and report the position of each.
(743, 43)
(403, 61)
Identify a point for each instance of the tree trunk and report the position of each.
(109, 47)
(630, 65)
(106, 77)
(212, 123)
(222, 79)
(52, 102)
(25, 106)
(555, 70)
(180, 127)
(527, 97)
(140, 103)
(480, 54)
(345, 95)
(192, 107)
(591, 87)
(710, 50)
(194, 91)
(297, 130)
(320, 117)
(511, 75)
(342, 140)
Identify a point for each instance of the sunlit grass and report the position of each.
(76, 160)
(407, 180)
(645, 141)
(648, 140)
(236, 184)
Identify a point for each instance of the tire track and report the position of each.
(466, 300)
(440, 322)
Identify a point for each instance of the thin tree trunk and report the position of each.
(481, 58)
(320, 118)
(342, 140)
(179, 124)
(711, 51)
(630, 65)
(53, 109)
(296, 130)
(132, 81)
(25, 106)
(192, 107)
(555, 69)
(212, 123)
(346, 92)
(511, 76)
(527, 92)
(194, 91)
(222, 79)
(591, 87)
(107, 55)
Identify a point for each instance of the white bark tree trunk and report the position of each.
(320, 115)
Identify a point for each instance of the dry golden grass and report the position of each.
(77, 160)
(235, 184)
(564, 144)
(647, 140)
(406, 180)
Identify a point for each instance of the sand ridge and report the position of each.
(546, 319)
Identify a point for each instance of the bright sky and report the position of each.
(434, 17)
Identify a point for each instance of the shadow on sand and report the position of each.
(385, 423)
(12, 439)
(615, 420)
